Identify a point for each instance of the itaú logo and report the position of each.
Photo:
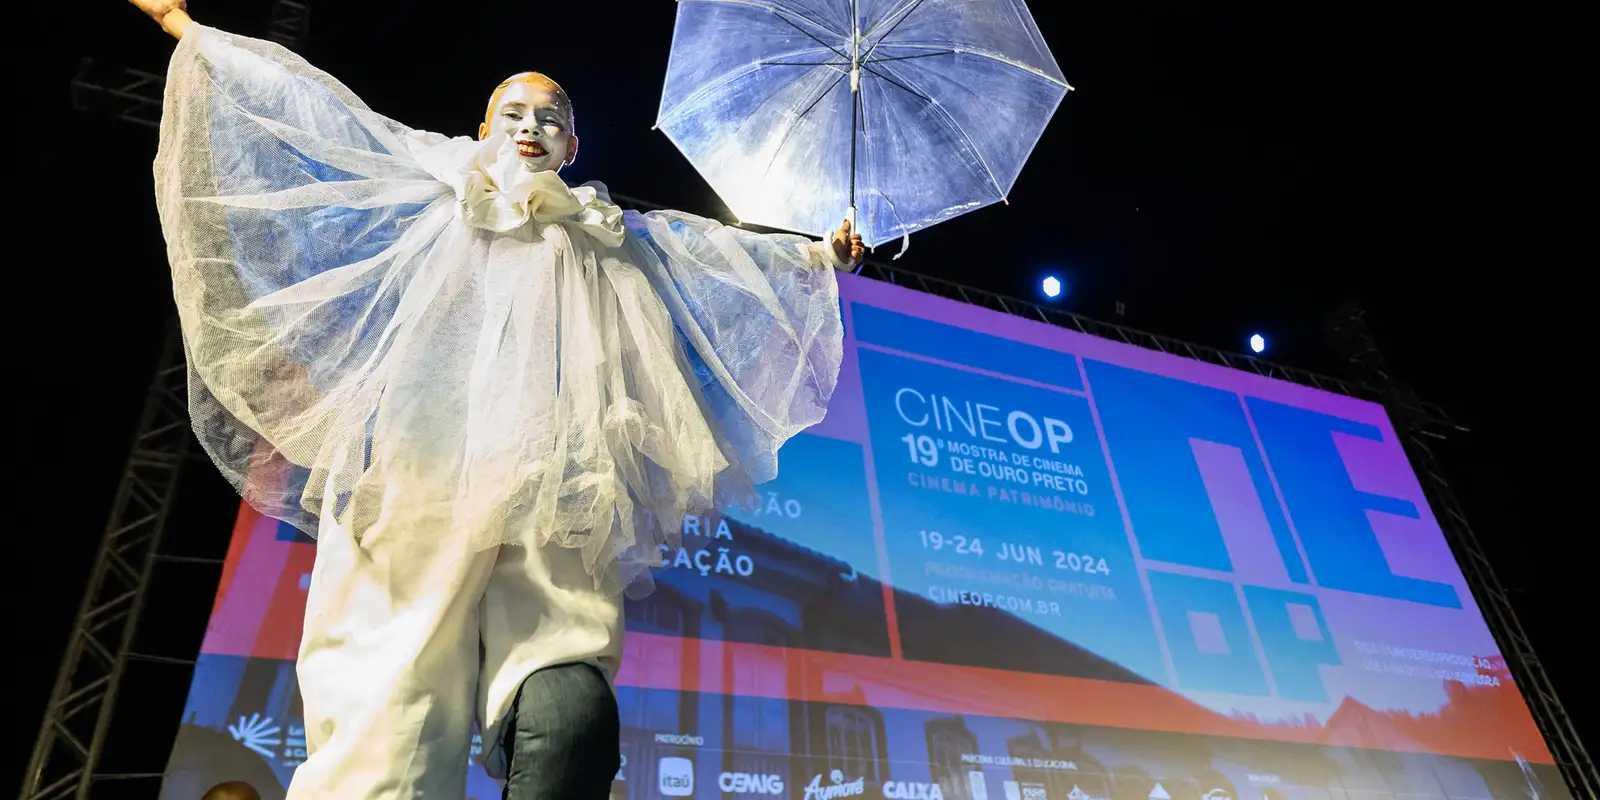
(839, 788)
(676, 777)
(746, 783)
(906, 790)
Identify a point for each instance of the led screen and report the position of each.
(1014, 562)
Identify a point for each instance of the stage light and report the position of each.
(1052, 287)
(1258, 343)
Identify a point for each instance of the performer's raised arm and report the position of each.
(295, 220)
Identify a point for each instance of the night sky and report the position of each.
(1222, 168)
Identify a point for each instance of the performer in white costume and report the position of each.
(491, 397)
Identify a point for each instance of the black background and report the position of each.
(1223, 168)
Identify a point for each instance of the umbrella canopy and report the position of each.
(912, 111)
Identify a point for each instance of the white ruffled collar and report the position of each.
(495, 192)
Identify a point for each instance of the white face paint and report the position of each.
(538, 123)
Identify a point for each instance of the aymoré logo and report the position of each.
(838, 788)
(747, 783)
(681, 739)
(676, 777)
(907, 790)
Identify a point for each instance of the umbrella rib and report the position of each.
(805, 63)
(807, 33)
(908, 8)
(972, 146)
(908, 58)
(1011, 62)
(771, 8)
(776, 151)
(992, 56)
(729, 77)
(903, 87)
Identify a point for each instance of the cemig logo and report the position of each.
(257, 734)
(747, 783)
(839, 788)
(676, 777)
(908, 790)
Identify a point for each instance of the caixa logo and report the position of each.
(747, 783)
(908, 790)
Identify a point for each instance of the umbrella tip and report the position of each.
(653, 127)
(1005, 201)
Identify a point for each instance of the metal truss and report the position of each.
(1419, 424)
(1105, 330)
(134, 96)
(130, 95)
(77, 720)
(289, 23)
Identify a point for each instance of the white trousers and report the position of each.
(407, 640)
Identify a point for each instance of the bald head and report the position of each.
(232, 790)
(533, 112)
(531, 80)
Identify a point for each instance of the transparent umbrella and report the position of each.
(799, 112)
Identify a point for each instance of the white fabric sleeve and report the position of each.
(294, 217)
(760, 323)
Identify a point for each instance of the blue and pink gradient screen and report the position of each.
(1017, 562)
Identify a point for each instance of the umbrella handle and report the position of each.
(850, 215)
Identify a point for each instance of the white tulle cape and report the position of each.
(395, 327)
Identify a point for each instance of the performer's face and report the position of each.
(534, 113)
